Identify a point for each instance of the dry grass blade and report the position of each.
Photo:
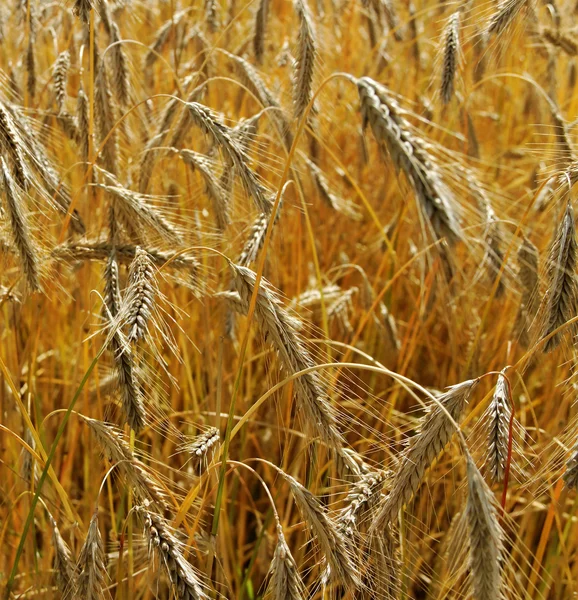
(220, 135)
(161, 539)
(561, 301)
(91, 566)
(285, 582)
(435, 432)
(305, 59)
(451, 56)
(19, 228)
(333, 544)
(380, 110)
(500, 413)
(486, 537)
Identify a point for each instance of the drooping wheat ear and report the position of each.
(571, 474)
(560, 39)
(12, 146)
(451, 56)
(19, 228)
(305, 59)
(280, 329)
(212, 15)
(435, 432)
(566, 154)
(161, 40)
(362, 497)
(506, 13)
(105, 117)
(256, 238)
(60, 75)
(202, 164)
(332, 543)
(336, 203)
(117, 450)
(82, 116)
(139, 301)
(31, 68)
(112, 299)
(200, 446)
(129, 383)
(494, 257)
(55, 189)
(528, 273)
(100, 250)
(499, 415)
(261, 17)
(64, 565)
(69, 125)
(486, 537)
(127, 376)
(120, 79)
(91, 566)
(253, 81)
(220, 135)
(561, 301)
(409, 154)
(82, 10)
(161, 539)
(285, 581)
(136, 214)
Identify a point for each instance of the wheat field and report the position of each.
(288, 298)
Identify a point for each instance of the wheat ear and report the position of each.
(435, 432)
(451, 56)
(91, 567)
(485, 536)
(561, 301)
(162, 539)
(500, 413)
(305, 60)
(19, 228)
